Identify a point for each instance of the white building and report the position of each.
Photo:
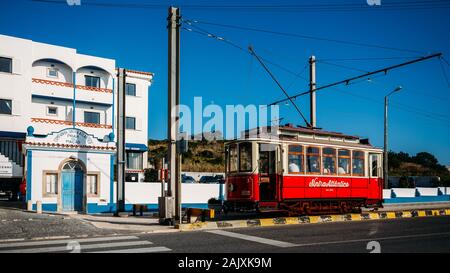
(58, 124)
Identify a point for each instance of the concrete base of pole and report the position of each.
(39, 207)
(30, 205)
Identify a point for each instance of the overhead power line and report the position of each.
(402, 107)
(305, 36)
(346, 81)
(444, 73)
(208, 34)
(341, 66)
(291, 8)
(364, 59)
(278, 83)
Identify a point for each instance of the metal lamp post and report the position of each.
(385, 159)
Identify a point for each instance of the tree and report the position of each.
(425, 159)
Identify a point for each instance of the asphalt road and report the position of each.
(428, 234)
(422, 235)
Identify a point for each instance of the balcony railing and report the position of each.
(66, 84)
(70, 123)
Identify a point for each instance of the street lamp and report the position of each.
(385, 159)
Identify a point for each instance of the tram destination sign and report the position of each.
(328, 183)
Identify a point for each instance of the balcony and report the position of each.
(44, 126)
(64, 90)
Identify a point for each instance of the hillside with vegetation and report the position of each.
(202, 156)
(422, 164)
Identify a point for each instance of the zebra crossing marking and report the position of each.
(65, 241)
(116, 244)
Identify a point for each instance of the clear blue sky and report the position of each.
(137, 39)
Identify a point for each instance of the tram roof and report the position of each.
(289, 132)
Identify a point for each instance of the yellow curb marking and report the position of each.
(435, 212)
(356, 217)
(374, 216)
(291, 220)
(267, 222)
(390, 215)
(406, 214)
(312, 219)
(421, 213)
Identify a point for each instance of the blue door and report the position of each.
(72, 190)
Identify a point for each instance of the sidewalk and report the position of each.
(146, 224)
(412, 206)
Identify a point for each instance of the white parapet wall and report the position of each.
(427, 191)
(400, 192)
(387, 194)
(148, 193)
(444, 190)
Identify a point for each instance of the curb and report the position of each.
(269, 222)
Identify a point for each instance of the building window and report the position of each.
(5, 65)
(130, 123)
(92, 81)
(295, 156)
(51, 184)
(313, 160)
(134, 160)
(358, 163)
(5, 107)
(245, 157)
(130, 89)
(344, 161)
(52, 72)
(91, 117)
(92, 184)
(329, 160)
(52, 110)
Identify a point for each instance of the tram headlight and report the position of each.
(231, 187)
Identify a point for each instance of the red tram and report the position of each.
(303, 171)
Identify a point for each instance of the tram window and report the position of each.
(245, 157)
(343, 161)
(374, 164)
(358, 163)
(313, 160)
(233, 159)
(295, 156)
(329, 160)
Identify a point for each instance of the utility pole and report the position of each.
(120, 158)
(312, 90)
(170, 206)
(385, 150)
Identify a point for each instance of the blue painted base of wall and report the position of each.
(111, 208)
(46, 207)
(418, 199)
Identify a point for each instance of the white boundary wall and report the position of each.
(148, 193)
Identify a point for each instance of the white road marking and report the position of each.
(54, 242)
(252, 238)
(376, 239)
(136, 250)
(83, 247)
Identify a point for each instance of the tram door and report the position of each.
(267, 172)
(375, 174)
